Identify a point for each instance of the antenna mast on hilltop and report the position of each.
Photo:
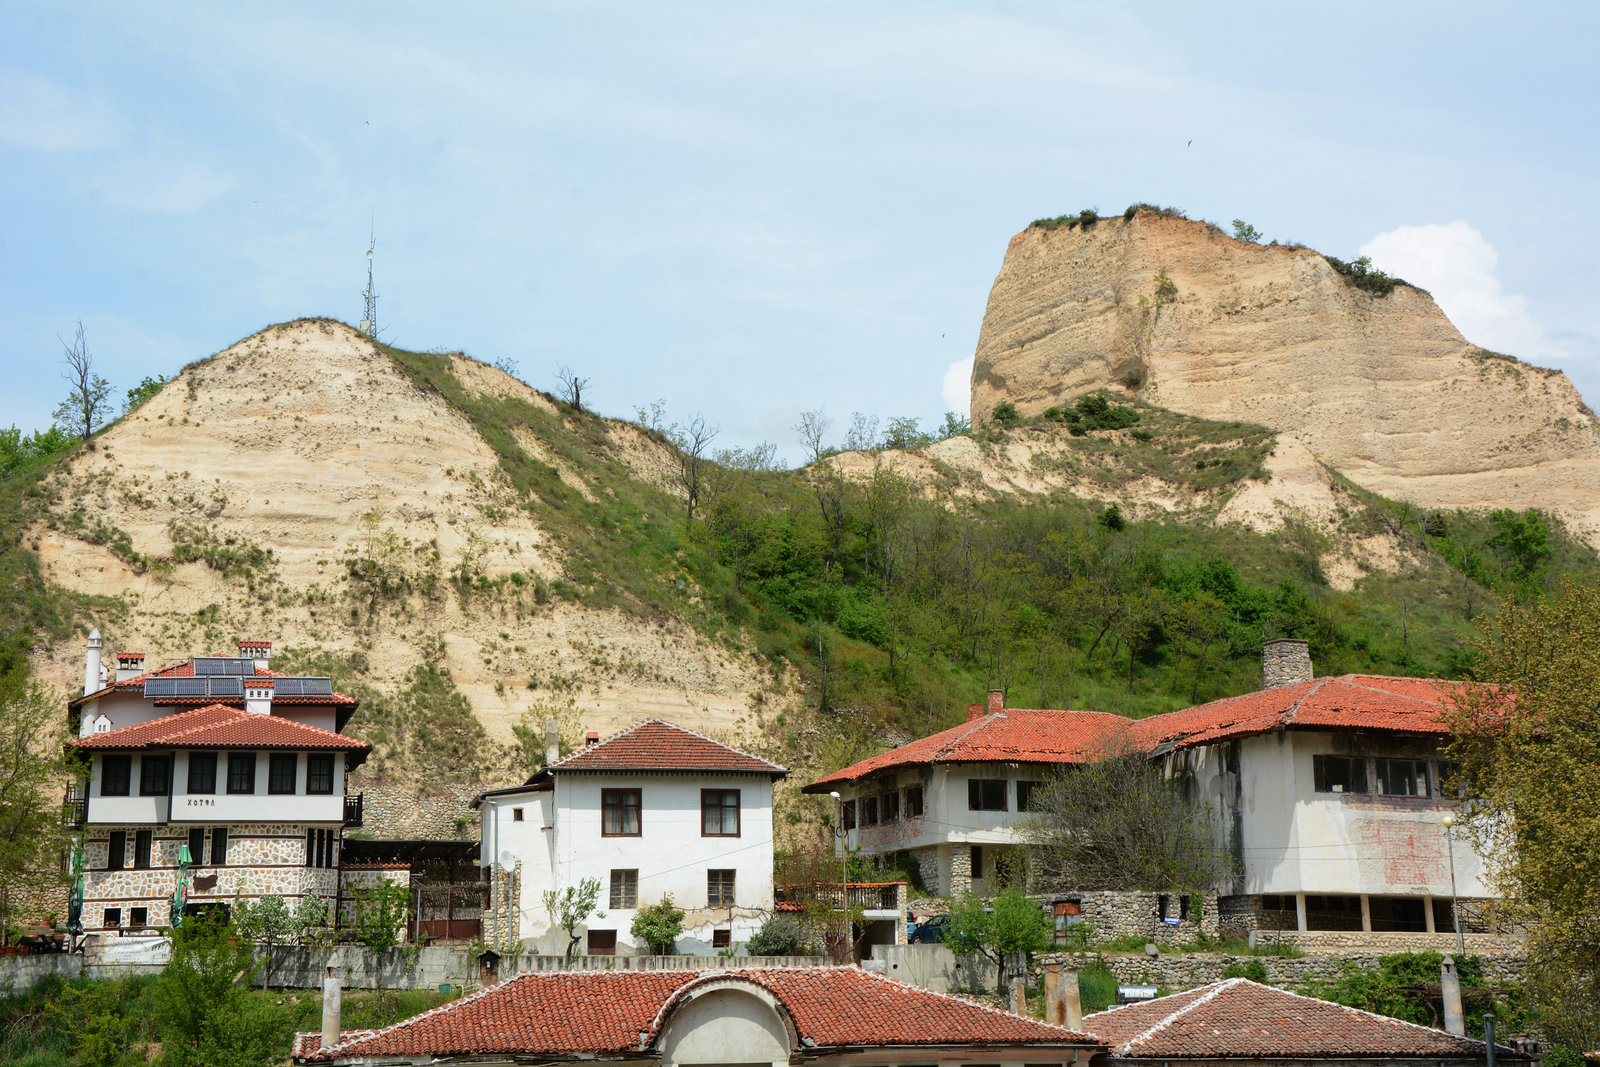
(369, 314)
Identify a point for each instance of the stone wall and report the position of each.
(1356, 942)
(407, 812)
(1115, 914)
(1176, 972)
(960, 870)
(1285, 662)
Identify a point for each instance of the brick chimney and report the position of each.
(1285, 661)
(996, 702)
(129, 665)
(257, 696)
(260, 651)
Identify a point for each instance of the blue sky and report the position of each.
(748, 210)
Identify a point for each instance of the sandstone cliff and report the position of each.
(1381, 388)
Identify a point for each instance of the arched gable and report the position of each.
(724, 1020)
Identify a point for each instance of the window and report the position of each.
(516, 814)
(155, 776)
(625, 889)
(117, 851)
(281, 770)
(141, 848)
(889, 807)
(219, 846)
(619, 814)
(719, 813)
(602, 942)
(1403, 777)
(869, 811)
(113, 917)
(1339, 774)
(1025, 794)
(241, 772)
(138, 917)
(913, 802)
(722, 939)
(197, 846)
(115, 771)
(977, 862)
(719, 889)
(983, 795)
(319, 848)
(847, 814)
(202, 772)
(319, 774)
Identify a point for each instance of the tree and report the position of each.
(693, 443)
(17, 451)
(1005, 414)
(1525, 753)
(1118, 823)
(570, 387)
(954, 426)
(267, 922)
(87, 392)
(146, 389)
(33, 770)
(1243, 231)
(1008, 928)
(381, 911)
(572, 907)
(658, 925)
(813, 429)
(1522, 543)
(781, 935)
(199, 1002)
(310, 923)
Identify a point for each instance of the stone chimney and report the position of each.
(552, 742)
(91, 662)
(1285, 661)
(260, 651)
(591, 738)
(129, 665)
(257, 696)
(332, 995)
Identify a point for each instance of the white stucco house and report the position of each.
(652, 811)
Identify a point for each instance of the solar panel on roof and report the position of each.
(302, 687)
(189, 687)
(160, 687)
(226, 687)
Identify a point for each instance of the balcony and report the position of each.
(352, 808)
(75, 807)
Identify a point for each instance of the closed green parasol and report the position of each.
(180, 894)
(75, 895)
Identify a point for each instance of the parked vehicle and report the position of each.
(930, 931)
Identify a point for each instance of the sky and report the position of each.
(751, 210)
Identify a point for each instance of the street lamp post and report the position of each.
(844, 875)
(1455, 906)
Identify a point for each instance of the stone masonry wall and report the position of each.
(1116, 914)
(439, 813)
(1176, 972)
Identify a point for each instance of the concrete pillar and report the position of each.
(1071, 1001)
(1019, 994)
(1300, 911)
(331, 997)
(1427, 914)
(1366, 914)
(1450, 993)
(1052, 993)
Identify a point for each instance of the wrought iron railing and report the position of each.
(75, 807)
(353, 808)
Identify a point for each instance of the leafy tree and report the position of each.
(87, 393)
(33, 771)
(18, 451)
(658, 925)
(1005, 414)
(571, 908)
(269, 923)
(1008, 928)
(1111, 518)
(1243, 231)
(954, 426)
(1526, 754)
(781, 935)
(200, 1004)
(381, 912)
(1522, 543)
(146, 389)
(1118, 823)
(310, 924)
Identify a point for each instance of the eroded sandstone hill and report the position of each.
(1380, 387)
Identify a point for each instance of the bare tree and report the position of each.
(693, 443)
(88, 395)
(1118, 822)
(570, 387)
(812, 428)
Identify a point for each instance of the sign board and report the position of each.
(1128, 994)
(1170, 921)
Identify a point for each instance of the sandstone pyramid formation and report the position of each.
(1382, 388)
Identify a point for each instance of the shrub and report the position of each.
(1005, 414)
(1243, 231)
(658, 925)
(781, 935)
(1111, 518)
(1255, 970)
(1361, 274)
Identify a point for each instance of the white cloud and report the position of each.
(957, 387)
(37, 114)
(1456, 265)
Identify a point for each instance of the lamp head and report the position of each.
(834, 794)
(1449, 821)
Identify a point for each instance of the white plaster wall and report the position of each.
(725, 1026)
(219, 807)
(946, 818)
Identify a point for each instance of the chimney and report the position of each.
(129, 665)
(590, 738)
(552, 742)
(974, 712)
(258, 696)
(997, 700)
(331, 996)
(91, 662)
(1450, 990)
(1284, 661)
(260, 651)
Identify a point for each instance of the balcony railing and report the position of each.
(868, 896)
(353, 808)
(75, 807)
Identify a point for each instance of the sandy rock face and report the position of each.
(1382, 388)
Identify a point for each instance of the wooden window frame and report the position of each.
(607, 943)
(124, 781)
(738, 812)
(197, 856)
(726, 887)
(1381, 780)
(160, 784)
(117, 851)
(847, 815)
(251, 756)
(197, 784)
(275, 761)
(320, 759)
(622, 809)
(623, 893)
(144, 847)
(914, 801)
(977, 801)
(1358, 765)
(889, 807)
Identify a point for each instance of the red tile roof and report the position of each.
(576, 1013)
(1015, 735)
(1239, 1018)
(219, 726)
(654, 745)
(1350, 701)
(186, 670)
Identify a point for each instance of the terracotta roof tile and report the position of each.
(1015, 735)
(219, 726)
(599, 1012)
(654, 745)
(186, 670)
(1239, 1018)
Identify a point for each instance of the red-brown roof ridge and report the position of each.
(222, 726)
(661, 745)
